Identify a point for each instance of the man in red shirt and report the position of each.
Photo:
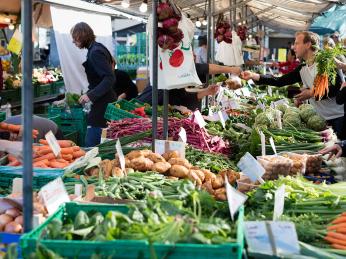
(291, 64)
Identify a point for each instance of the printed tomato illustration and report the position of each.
(177, 58)
(161, 65)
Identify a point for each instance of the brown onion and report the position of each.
(5, 219)
(19, 220)
(13, 227)
(13, 212)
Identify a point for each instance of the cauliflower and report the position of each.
(291, 120)
(316, 123)
(307, 112)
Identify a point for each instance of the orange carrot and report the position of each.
(79, 153)
(335, 240)
(341, 219)
(14, 163)
(42, 163)
(43, 141)
(343, 214)
(337, 235)
(62, 143)
(76, 148)
(66, 150)
(333, 227)
(68, 157)
(61, 160)
(336, 246)
(341, 230)
(11, 158)
(44, 150)
(48, 156)
(56, 164)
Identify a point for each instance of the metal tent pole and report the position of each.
(154, 79)
(27, 107)
(165, 113)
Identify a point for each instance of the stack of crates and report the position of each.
(2, 116)
(72, 122)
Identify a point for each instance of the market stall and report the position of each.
(234, 178)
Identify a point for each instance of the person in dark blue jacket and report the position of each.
(100, 75)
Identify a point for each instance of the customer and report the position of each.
(306, 46)
(98, 68)
(202, 51)
(291, 64)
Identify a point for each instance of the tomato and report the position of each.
(161, 65)
(177, 58)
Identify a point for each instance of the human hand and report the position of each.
(84, 99)
(304, 95)
(15, 148)
(213, 89)
(339, 64)
(236, 70)
(122, 96)
(332, 150)
(247, 75)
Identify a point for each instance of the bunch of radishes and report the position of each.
(223, 32)
(241, 32)
(169, 35)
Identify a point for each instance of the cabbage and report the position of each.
(282, 107)
(316, 123)
(291, 120)
(305, 106)
(264, 119)
(293, 110)
(307, 112)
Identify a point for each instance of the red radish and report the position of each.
(165, 41)
(177, 58)
(170, 24)
(164, 11)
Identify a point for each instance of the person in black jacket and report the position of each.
(99, 71)
(306, 45)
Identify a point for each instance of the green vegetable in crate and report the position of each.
(72, 99)
(291, 120)
(265, 119)
(306, 112)
(316, 123)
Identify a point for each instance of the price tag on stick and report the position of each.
(263, 143)
(53, 143)
(222, 120)
(182, 135)
(199, 119)
(271, 140)
(235, 198)
(120, 155)
(279, 202)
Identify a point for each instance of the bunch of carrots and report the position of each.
(320, 88)
(45, 158)
(336, 234)
(15, 129)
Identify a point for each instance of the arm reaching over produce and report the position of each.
(336, 150)
(12, 147)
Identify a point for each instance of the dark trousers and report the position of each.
(338, 126)
(93, 136)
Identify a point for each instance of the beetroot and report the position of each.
(177, 36)
(170, 24)
(165, 41)
(164, 11)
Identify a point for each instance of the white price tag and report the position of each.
(235, 199)
(182, 135)
(278, 118)
(246, 92)
(263, 143)
(271, 140)
(238, 92)
(281, 101)
(162, 146)
(249, 166)
(285, 238)
(243, 126)
(220, 95)
(257, 237)
(53, 143)
(120, 155)
(199, 119)
(250, 82)
(78, 190)
(53, 195)
(270, 90)
(221, 119)
(279, 203)
(17, 185)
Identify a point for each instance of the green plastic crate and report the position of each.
(43, 90)
(73, 136)
(10, 96)
(115, 113)
(56, 118)
(73, 113)
(127, 248)
(58, 87)
(84, 249)
(2, 116)
(147, 110)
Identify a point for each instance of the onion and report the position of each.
(164, 11)
(19, 220)
(165, 41)
(219, 38)
(13, 212)
(170, 24)
(177, 36)
(5, 219)
(13, 227)
(228, 34)
(221, 30)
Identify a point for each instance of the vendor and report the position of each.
(191, 100)
(123, 85)
(338, 149)
(291, 64)
(306, 46)
(100, 75)
(42, 125)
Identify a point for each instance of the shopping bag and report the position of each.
(176, 68)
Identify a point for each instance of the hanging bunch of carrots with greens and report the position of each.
(326, 70)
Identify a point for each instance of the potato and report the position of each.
(209, 176)
(220, 194)
(116, 162)
(172, 178)
(180, 161)
(129, 170)
(179, 171)
(117, 172)
(134, 154)
(208, 187)
(106, 166)
(171, 154)
(199, 173)
(232, 176)
(155, 158)
(161, 167)
(146, 152)
(94, 171)
(194, 178)
(142, 164)
(218, 182)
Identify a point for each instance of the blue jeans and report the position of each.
(338, 126)
(93, 136)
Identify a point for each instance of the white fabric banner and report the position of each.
(71, 57)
